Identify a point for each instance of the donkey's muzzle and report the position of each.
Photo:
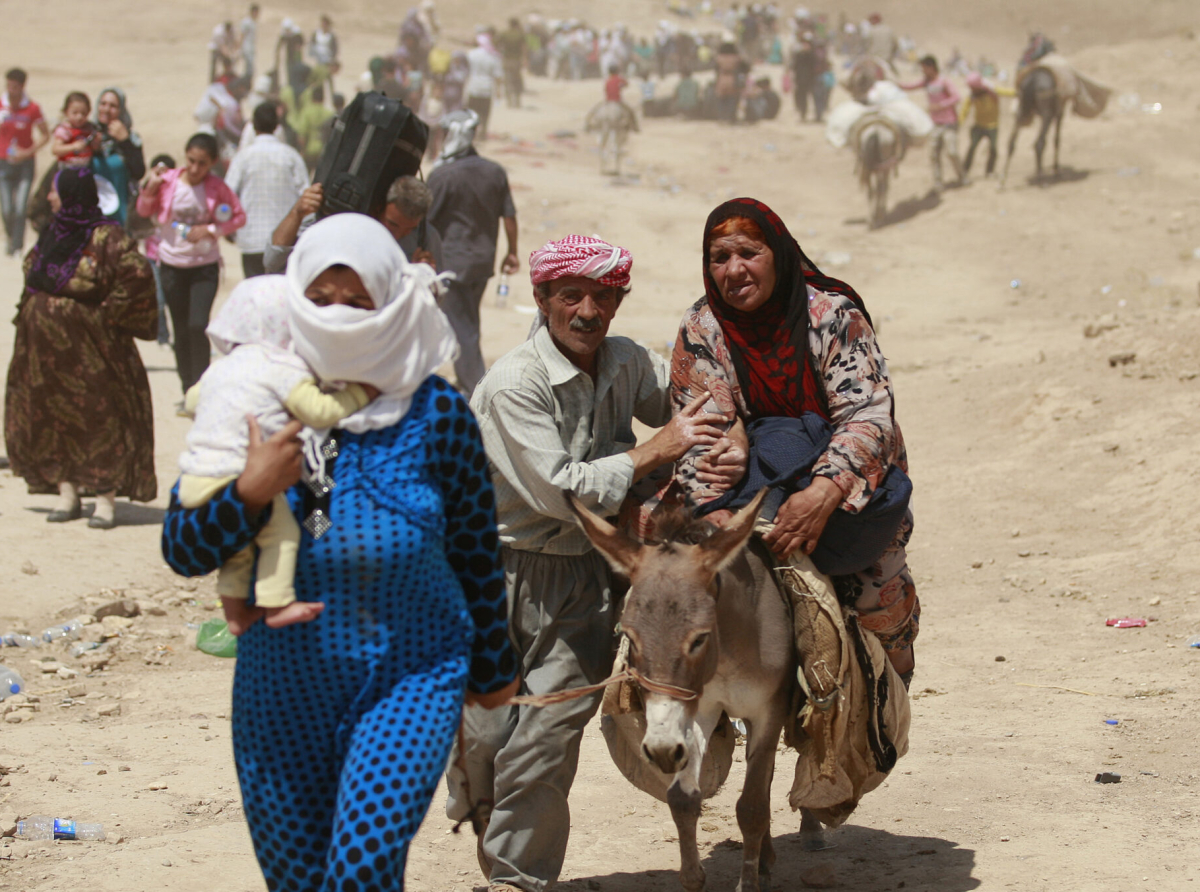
(669, 759)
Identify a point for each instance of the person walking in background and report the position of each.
(223, 50)
(310, 122)
(248, 37)
(161, 164)
(470, 198)
(291, 67)
(323, 45)
(485, 72)
(118, 159)
(984, 99)
(78, 418)
(943, 109)
(20, 118)
(193, 208)
(268, 177)
(513, 46)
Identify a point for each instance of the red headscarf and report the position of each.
(769, 345)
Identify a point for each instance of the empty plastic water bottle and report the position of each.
(44, 827)
(10, 683)
(17, 639)
(1194, 641)
(68, 629)
(223, 213)
(78, 650)
(502, 291)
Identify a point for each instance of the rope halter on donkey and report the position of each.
(626, 674)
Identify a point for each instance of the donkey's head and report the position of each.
(670, 614)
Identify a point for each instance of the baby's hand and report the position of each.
(371, 390)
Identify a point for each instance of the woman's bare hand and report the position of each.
(198, 234)
(802, 518)
(272, 465)
(722, 466)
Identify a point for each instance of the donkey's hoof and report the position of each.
(692, 881)
(815, 841)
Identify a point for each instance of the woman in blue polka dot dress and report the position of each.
(342, 726)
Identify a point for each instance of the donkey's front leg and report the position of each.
(684, 798)
(754, 805)
(685, 809)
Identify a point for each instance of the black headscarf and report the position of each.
(62, 242)
(769, 345)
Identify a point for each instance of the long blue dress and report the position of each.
(342, 726)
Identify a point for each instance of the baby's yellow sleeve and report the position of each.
(308, 404)
(191, 400)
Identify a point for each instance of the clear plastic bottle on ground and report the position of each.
(44, 827)
(78, 650)
(1194, 641)
(17, 639)
(10, 683)
(69, 629)
(502, 291)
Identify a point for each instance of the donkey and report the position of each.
(1039, 96)
(614, 122)
(704, 614)
(879, 147)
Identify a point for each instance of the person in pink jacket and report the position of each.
(943, 109)
(193, 209)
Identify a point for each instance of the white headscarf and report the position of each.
(394, 347)
(460, 135)
(255, 313)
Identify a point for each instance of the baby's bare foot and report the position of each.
(296, 612)
(239, 615)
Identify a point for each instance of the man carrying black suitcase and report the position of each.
(470, 199)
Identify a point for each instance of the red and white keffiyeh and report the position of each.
(581, 255)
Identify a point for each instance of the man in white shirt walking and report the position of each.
(268, 177)
(249, 39)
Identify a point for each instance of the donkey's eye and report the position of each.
(698, 643)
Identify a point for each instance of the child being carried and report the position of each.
(259, 376)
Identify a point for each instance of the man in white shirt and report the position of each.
(268, 177)
(487, 70)
(248, 30)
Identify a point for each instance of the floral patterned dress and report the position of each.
(77, 406)
(866, 439)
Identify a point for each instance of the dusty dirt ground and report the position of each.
(1052, 487)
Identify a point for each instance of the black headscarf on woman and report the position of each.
(769, 345)
(62, 242)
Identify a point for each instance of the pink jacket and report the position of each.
(943, 98)
(158, 207)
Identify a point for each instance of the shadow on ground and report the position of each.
(127, 514)
(863, 859)
(903, 211)
(1065, 174)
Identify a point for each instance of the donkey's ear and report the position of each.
(620, 550)
(726, 544)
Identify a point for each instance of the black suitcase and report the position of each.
(374, 140)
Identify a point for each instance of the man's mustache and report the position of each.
(585, 325)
